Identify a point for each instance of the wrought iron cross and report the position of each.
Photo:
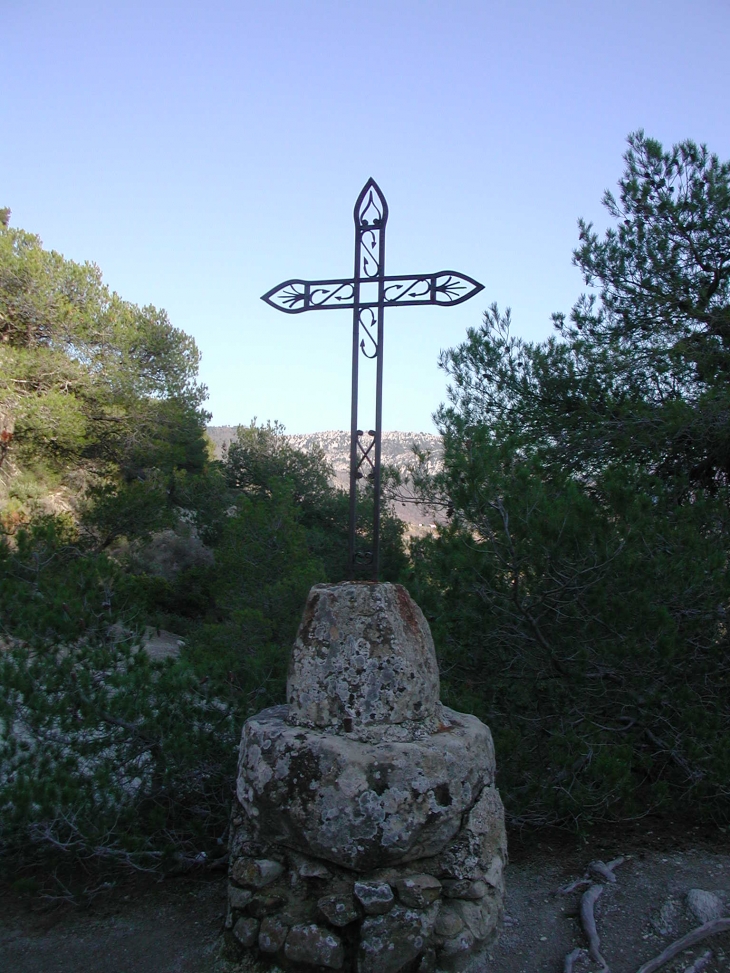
(368, 292)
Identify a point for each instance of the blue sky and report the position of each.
(200, 153)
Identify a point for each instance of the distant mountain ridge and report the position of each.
(397, 451)
(397, 447)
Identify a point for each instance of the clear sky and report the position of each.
(200, 153)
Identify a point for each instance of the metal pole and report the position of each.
(378, 411)
(353, 407)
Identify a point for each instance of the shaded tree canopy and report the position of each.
(638, 371)
(579, 592)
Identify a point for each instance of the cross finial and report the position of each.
(371, 209)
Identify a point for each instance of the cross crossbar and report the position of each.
(445, 287)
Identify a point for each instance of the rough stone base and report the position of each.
(367, 834)
(295, 912)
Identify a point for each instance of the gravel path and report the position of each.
(174, 926)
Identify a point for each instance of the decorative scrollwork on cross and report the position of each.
(368, 324)
(331, 294)
(367, 293)
(445, 287)
(371, 208)
(364, 456)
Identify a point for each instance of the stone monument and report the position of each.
(367, 834)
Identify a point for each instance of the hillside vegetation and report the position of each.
(115, 518)
(577, 585)
(397, 455)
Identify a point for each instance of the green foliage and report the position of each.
(262, 575)
(287, 530)
(93, 389)
(111, 757)
(105, 755)
(579, 593)
(50, 589)
(638, 373)
(262, 462)
(139, 756)
(583, 632)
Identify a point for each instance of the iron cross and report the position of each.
(367, 293)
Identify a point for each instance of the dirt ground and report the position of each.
(175, 926)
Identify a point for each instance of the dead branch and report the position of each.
(588, 919)
(567, 889)
(602, 870)
(43, 832)
(696, 936)
(217, 864)
(572, 958)
(133, 728)
(692, 773)
(700, 963)
(599, 869)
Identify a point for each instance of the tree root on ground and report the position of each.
(696, 936)
(588, 919)
(600, 870)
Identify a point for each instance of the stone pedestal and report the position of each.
(367, 835)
